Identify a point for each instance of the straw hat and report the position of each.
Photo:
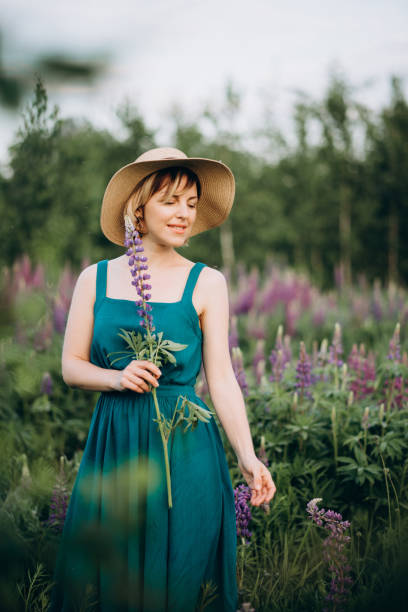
(215, 203)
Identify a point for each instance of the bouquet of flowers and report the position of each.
(155, 348)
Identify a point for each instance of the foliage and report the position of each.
(341, 441)
(333, 204)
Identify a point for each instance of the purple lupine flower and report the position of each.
(278, 365)
(362, 369)
(238, 366)
(395, 346)
(303, 373)
(244, 300)
(336, 349)
(63, 298)
(333, 551)
(242, 495)
(60, 312)
(280, 356)
(138, 267)
(394, 388)
(59, 501)
(46, 384)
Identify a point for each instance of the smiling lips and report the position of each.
(179, 229)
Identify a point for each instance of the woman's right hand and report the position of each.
(137, 375)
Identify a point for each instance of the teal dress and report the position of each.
(123, 548)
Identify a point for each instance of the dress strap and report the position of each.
(191, 281)
(101, 276)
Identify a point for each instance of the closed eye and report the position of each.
(190, 205)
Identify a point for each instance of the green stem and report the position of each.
(390, 395)
(388, 491)
(336, 378)
(162, 434)
(166, 456)
(334, 434)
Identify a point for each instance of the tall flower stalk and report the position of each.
(395, 385)
(155, 348)
(334, 553)
(303, 374)
(242, 495)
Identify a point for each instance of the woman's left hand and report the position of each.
(258, 479)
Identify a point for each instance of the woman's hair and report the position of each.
(152, 183)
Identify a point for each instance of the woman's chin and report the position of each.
(175, 241)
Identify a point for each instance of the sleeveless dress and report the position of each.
(122, 548)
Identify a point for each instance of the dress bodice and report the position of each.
(177, 320)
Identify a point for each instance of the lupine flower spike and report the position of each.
(242, 494)
(280, 356)
(303, 374)
(334, 554)
(138, 267)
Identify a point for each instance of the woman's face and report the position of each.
(169, 220)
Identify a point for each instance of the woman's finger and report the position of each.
(149, 365)
(132, 386)
(137, 381)
(140, 369)
(149, 377)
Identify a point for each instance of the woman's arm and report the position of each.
(77, 370)
(224, 389)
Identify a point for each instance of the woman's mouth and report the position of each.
(179, 229)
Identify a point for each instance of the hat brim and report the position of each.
(214, 206)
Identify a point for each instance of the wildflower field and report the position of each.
(325, 381)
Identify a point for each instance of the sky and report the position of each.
(182, 52)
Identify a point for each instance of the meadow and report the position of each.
(325, 381)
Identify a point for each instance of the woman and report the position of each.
(123, 548)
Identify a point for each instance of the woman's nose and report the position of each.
(183, 209)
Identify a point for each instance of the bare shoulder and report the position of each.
(88, 274)
(212, 278)
(211, 287)
(86, 281)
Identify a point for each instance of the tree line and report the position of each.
(335, 199)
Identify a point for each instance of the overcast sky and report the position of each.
(184, 51)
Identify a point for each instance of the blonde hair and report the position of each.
(152, 183)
